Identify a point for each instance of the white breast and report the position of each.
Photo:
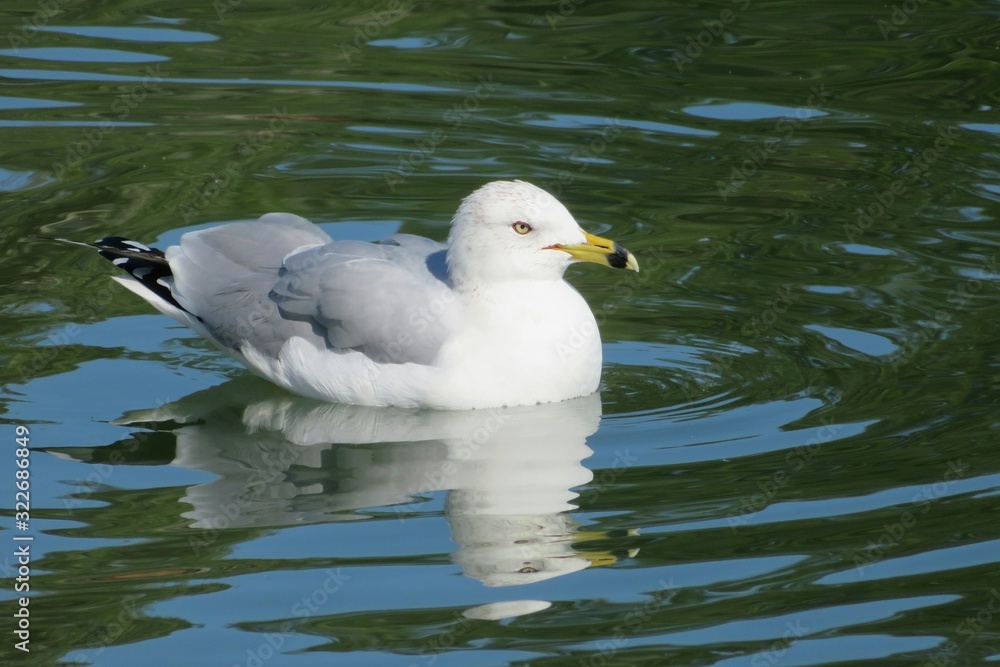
(522, 345)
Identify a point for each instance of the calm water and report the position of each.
(794, 456)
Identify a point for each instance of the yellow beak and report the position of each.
(600, 251)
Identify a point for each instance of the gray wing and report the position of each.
(281, 276)
(391, 301)
(224, 275)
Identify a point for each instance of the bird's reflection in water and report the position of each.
(281, 460)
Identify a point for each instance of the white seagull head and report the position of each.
(513, 230)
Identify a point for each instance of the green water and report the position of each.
(793, 458)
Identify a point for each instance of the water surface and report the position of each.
(793, 457)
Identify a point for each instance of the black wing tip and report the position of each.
(123, 247)
(113, 244)
(147, 265)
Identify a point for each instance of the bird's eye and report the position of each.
(521, 227)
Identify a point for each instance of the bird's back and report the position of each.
(262, 283)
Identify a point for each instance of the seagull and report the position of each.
(485, 320)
